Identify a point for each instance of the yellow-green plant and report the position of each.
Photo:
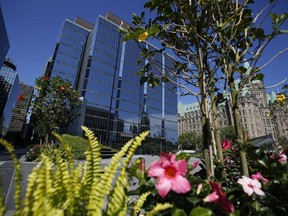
(65, 187)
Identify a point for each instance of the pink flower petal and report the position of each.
(248, 190)
(165, 159)
(195, 164)
(282, 158)
(199, 188)
(163, 186)
(181, 167)
(259, 192)
(213, 197)
(180, 184)
(256, 183)
(155, 169)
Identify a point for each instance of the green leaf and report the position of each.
(258, 76)
(136, 19)
(178, 212)
(165, 79)
(283, 31)
(242, 70)
(200, 212)
(153, 30)
(274, 17)
(143, 80)
(193, 200)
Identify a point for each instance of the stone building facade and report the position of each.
(260, 115)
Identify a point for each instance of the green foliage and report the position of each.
(210, 38)
(51, 150)
(190, 141)
(34, 152)
(228, 133)
(65, 188)
(78, 146)
(54, 106)
(17, 177)
(283, 142)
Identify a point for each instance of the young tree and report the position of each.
(54, 106)
(190, 141)
(211, 40)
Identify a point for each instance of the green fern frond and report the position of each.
(101, 189)
(136, 143)
(30, 189)
(74, 203)
(62, 181)
(44, 208)
(67, 150)
(93, 160)
(140, 202)
(17, 175)
(159, 207)
(118, 197)
(40, 186)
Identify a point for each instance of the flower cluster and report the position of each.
(226, 144)
(281, 98)
(174, 179)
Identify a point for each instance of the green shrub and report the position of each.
(33, 152)
(51, 151)
(78, 145)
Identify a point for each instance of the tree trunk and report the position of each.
(239, 132)
(216, 129)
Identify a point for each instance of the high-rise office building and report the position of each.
(21, 108)
(4, 42)
(9, 92)
(102, 67)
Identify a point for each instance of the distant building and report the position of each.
(22, 106)
(4, 44)
(259, 115)
(9, 92)
(102, 67)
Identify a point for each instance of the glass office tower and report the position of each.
(104, 70)
(4, 42)
(9, 92)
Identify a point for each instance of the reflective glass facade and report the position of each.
(117, 106)
(68, 53)
(9, 92)
(4, 42)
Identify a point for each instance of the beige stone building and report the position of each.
(259, 115)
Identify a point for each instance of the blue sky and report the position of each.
(33, 27)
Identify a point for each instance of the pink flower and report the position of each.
(282, 157)
(199, 188)
(226, 144)
(195, 164)
(258, 176)
(250, 186)
(169, 174)
(218, 196)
